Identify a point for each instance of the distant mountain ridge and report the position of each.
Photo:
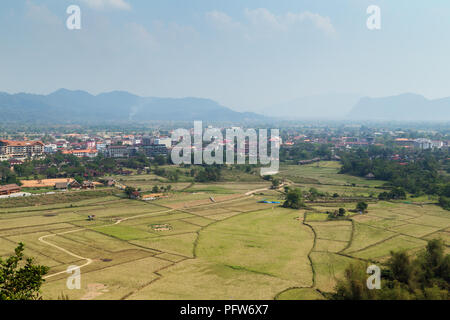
(324, 106)
(74, 106)
(404, 107)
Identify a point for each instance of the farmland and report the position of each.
(214, 240)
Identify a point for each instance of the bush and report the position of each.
(294, 199)
(362, 206)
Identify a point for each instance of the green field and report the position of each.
(213, 241)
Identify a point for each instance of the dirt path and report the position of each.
(88, 260)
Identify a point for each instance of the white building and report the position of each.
(50, 148)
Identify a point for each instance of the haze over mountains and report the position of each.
(325, 106)
(75, 106)
(404, 107)
(66, 106)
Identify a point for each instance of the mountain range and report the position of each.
(325, 107)
(65, 106)
(404, 107)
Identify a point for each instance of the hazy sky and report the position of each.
(244, 54)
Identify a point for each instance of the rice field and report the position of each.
(214, 241)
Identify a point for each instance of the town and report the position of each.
(47, 161)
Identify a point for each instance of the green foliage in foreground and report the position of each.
(19, 279)
(425, 277)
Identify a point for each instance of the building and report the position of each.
(425, 144)
(9, 189)
(74, 185)
(90, 144)
(14, 162)
(61, 185)
(118, 151)
(51, 148)
(167, 141)
(88, 185)
(21, 149)
(147, 140)
(404, 142)
(155, 150)
(85, 153)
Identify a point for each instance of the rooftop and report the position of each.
(20, 143)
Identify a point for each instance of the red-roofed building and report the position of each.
(21, 149)
(89, 153)
(9, 189)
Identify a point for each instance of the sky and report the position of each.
(245, 54)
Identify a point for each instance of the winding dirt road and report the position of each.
(88, 260)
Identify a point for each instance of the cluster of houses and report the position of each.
(350, 142)
(73, 184)
(10, 189)
(115, 146)
(421, 143)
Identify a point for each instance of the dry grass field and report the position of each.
(213, 241)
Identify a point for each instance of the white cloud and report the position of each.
(221, 20)
(108, 4)
(263, 17)
(265, 21)
(322, 23)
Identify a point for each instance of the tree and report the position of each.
(129, 191)
(275, 183)
(79, 179)
(434, 265)
(362, 206)
(313, 194)
(342, 212)
(19, 279)
(426, 277)
(354, 286)
(294, 199)
(400, 267)
(160, 160)
(444, 202)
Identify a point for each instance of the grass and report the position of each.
(239, 258)
(300, 294)
(329, 267)
(325, 172)
(383, 249)
(65, 197)
(179, 244)
(210, 189)
(249, 241)
(124, 232)
(366, 235)
(234, 248)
